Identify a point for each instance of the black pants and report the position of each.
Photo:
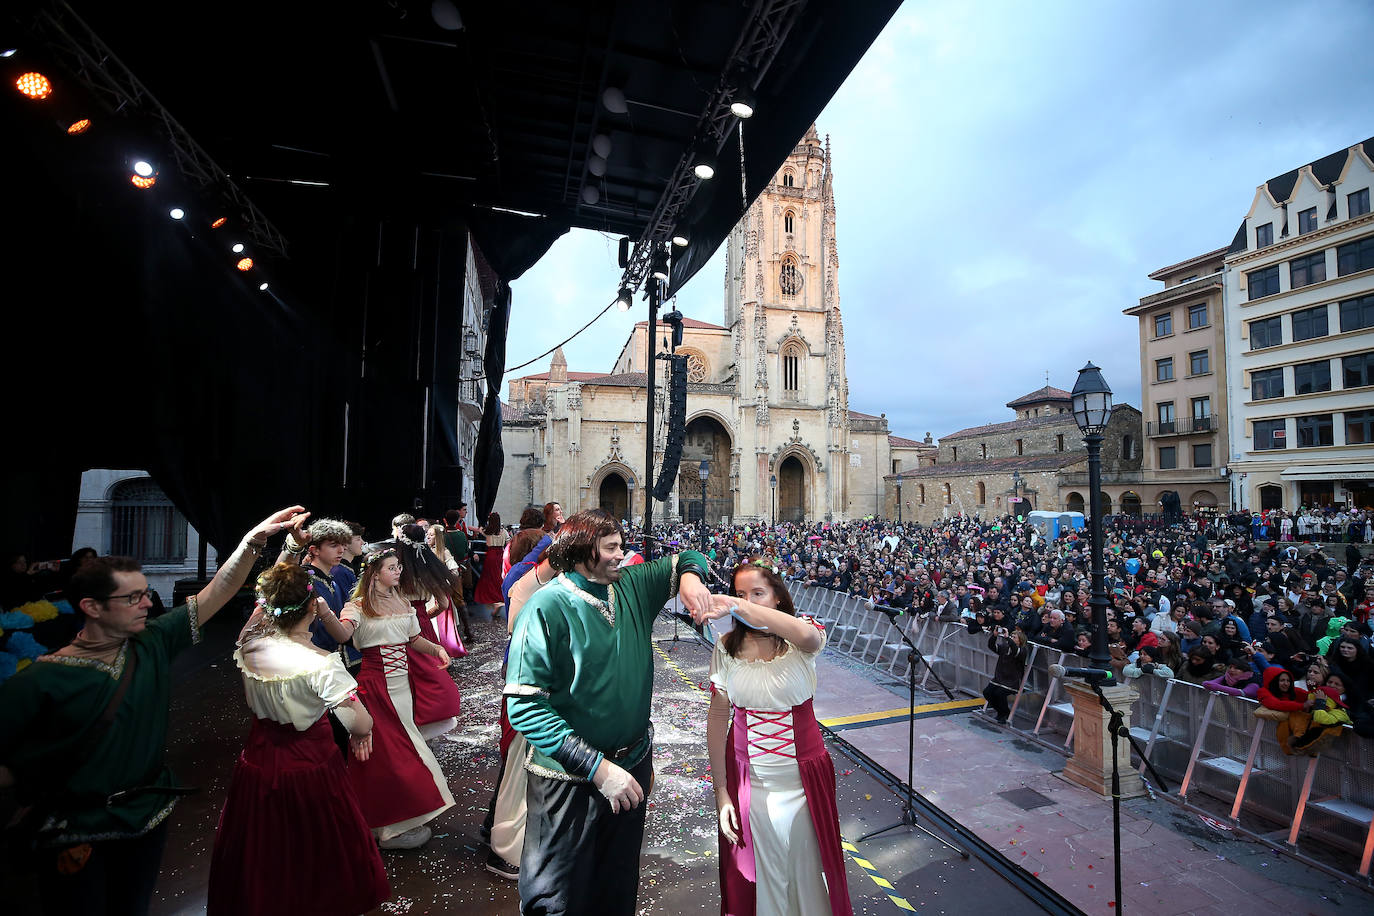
(117, 878)
(580, 859)
(997, 695)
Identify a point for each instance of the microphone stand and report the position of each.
(908, 818)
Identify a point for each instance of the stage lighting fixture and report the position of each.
(245, 264)
(624, 299)
(704, 165)
(591, 194)
(597, 166)
(219, 222)
(34, 85)
(614, 100)
(9, 52)
(143, 183)
(262, 287)
(79, 127)
(238, 248)
(177, 213)
(660, 265)
(743, 104)
(143, 168)
(680, 239)
(601, 145)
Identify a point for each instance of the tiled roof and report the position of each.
(688, 323)
(1189, 262)
(997, 465)
(1326, 170)
(1040, 395)
(512, 414)
(900, 442)
(855, 415)
(572, 376)
(624, 380)
(1011, 426)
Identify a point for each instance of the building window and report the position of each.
(1168, 458)
(982, 494)
(1269, 434)
(788, 222)
(1020, 446)
(1202, 455)
(948, 497)
(1263, 282)
(1357, 371)
(1127, 448)
(789, 278)
(1197, 316)
(1202, 414)
(788, 179)
(1266, 332)
(921, 492)
(1309, 378)
(954, 452)
(1354, 257)
(1315, 430)
(1359, 427)
(1306, 271)
(1357, 314)
(1164, 325)
(1358, 202)
(1307, 221)
(1165, 411)
(146, 525)
(1266, 383)
(791, 370)
(1164, 369)
(982, 450)
(1309, 323)
(1199, 363)
(1059, 442)
(1264, 235)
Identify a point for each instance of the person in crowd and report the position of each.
(1012, 653)
(1149, 663)
(1238, 680)
(83, 731)
(578, 688)
(1056, 633)
(428, 585)
(1349, 658)
(774, 780)
(1201, 666)
(322, 547)
(488, 589)
(290, 807)
(446, 624)
(400, 787)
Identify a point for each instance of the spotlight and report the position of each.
(680, 238)
(624, 299)
(660, 265)
(447, 17)
(143, 168)
(591, 194)
(219, 222)
(601, 145)
(238, 248)
(143, 183)
(245, 264)
(704, 165)
(9, 52)
(743, 104)
(614, 100)
(262, 287)
(34, 85)
(597, 166)
(177, 213)
(79, 127)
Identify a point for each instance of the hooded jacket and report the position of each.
(1274, 701)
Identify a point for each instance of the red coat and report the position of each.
(1272, 700)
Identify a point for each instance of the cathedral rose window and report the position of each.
(697, 369)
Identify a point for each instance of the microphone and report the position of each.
(891, 612)
(1088, 674)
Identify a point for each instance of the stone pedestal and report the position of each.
(1091, 763)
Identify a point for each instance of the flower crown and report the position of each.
(379, 554)
(771, 567)
(275, 611)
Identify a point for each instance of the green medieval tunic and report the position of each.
(46, 709)
(581, 662)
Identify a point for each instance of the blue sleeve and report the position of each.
(1240, 625)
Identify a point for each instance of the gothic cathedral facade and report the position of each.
(768, 414)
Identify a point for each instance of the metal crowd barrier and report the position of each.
(1207, 742)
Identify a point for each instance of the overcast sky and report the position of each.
(1008, 173)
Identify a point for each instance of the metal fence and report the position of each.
(1202, 742)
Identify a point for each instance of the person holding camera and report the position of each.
(1012, 652)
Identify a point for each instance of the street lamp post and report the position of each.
(899, 500)
(629, 502)
(1092, 408)
(773, 482)
(703, 472)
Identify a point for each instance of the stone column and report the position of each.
(1091, 763)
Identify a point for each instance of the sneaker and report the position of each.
(413, 838)
(499, 866)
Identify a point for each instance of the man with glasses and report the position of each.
(83, 732)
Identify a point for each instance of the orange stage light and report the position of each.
(219, 222)
(144, 183)
(245, 264)
(79, 127)
(34, 85)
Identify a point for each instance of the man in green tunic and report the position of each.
(578, 687)
(102, 791)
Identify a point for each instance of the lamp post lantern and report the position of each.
(630, 502)
(773, 482)
(1092, 408)
(704, 471)
(899, 500)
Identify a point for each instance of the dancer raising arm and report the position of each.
(774, 780)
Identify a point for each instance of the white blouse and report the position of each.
(776, 684)
(391, 630)
(289, 683)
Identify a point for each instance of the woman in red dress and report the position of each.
(489, 586)
(291, 809)
(427, 584)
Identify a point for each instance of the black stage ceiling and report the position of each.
(353, 147)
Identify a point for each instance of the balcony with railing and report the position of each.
(1183, 426)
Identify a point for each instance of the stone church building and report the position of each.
(767, 398)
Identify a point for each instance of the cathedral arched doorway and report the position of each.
(791, 490)
(614, 496)
(705, 440)
(1130, 503)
